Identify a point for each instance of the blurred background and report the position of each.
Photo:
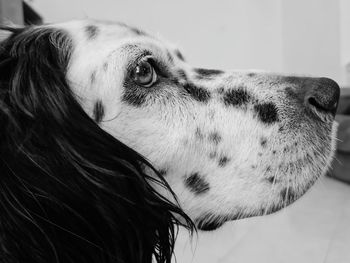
(307, 37)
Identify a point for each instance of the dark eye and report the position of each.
(144, 74)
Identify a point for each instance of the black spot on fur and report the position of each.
(198, 93)
(132, 29)
(207, 73)
(251, 74)
(223, 161)
(214, 137)
(288, 195)
(179, 55)
(93, 77)
(236, 98)
(185, 141)
(213, 155)
(197, 184)
(198, 133)
(267, 112)
(105, 66)
(263, 141)
(274, 152)
(204, 225)
(274, 208)
(91, 31)
(98, 111)
(138, 31)
(271, 179)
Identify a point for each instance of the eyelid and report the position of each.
(159, 67)
(154, 64)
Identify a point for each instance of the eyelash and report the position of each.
(157, 65)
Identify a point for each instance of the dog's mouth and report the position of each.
(209, 222)
(294, 179)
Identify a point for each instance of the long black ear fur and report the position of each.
(69, 192)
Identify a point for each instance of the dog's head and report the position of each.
(229, 144)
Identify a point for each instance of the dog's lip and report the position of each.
(218, 221)
(210, 225)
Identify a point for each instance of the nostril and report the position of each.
(320, 105)
(323, 95)
(316, 104)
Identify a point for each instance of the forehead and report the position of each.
(102, 54)
(103, 38)
(93, 29)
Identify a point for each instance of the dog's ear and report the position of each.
(69, 191)
(38, 58)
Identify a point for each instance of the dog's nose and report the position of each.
(323, 95)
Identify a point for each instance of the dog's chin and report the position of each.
(210, 225)
(210, 222)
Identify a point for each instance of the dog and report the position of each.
(110, 140)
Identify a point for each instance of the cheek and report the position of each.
(146, 134)
(110, 92)
(223, 195)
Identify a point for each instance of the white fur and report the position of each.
(163, 130)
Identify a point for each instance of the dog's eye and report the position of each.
(144, 74)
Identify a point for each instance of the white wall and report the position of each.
(345, 41)
(11, 11)
(296, 36)
(311, 36)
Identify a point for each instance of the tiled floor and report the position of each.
(315, 229)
